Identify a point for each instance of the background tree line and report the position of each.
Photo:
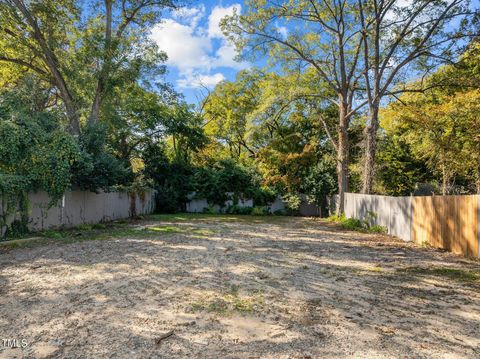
(377, 96)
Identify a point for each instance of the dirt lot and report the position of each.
(236, 287)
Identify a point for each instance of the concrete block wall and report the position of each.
(83, 207)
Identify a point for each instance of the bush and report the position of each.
(336, 218)
(209, 210)
(351, 224)
(279, 212)
(356, 224)
(293, 202)
(378, 229)
(236, 209)
(259, 211)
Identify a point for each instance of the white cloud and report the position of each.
(226, 57)
(218, 13)
(282, 30)
(196, 50)
(184, 48)
(198, 81)
(190, 14)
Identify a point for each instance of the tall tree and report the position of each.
(80, 48)
(322, 35)
(403, 40)
(442, 129)
(226, 110)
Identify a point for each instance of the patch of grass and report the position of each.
(461, 275)
(229, 302)
(184, 230)
(234, 289)
(182, 217)
(84, 227)
(221, 217)
(113, 230)
(245, 305)
(53, 234)
(202, 232)
(165, 229)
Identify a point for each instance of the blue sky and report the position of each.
(199, 55)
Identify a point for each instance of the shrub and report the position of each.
(336, 218)
(351, 223)
(259, 211)
(292, 202)
(209, 210)
(357, 224)
(236, 209)
(279, 212)
(378, 229)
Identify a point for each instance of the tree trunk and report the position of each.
(370, 134)
(97, 101)
(72, 114)
(51, 61)
(445, 180)
(478, 177)
(478, 167)
(342, 159)
(105, 69)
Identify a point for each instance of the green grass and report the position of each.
(353, 224)
(125, 228)
(192, 217)
(460, 275)
(177, 229)
(103, 231)
(229, 302)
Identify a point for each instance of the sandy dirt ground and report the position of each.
(248, 287)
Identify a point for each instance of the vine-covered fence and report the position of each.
(80, 207)
(448, 222)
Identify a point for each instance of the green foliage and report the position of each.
(173, 180)
(432, 132)
(33, 143)
(259, 211)
(210, 209)
(223, 180)
(96, 167)
(399, 170)
(461, 275)
(354, 224)
(376, 228)
(262, 196)
(351, 224)
(236, 209)
(292, 202)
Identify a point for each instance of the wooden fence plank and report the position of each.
(449, 222)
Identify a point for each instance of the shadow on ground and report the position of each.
(239, 287)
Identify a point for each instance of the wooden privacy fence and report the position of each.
(448, 222)
(82, 207)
